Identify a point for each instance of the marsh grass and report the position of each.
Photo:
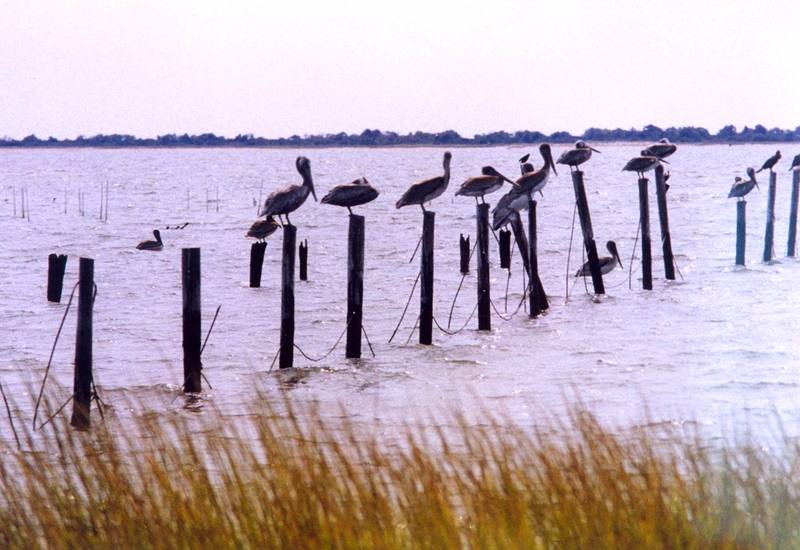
(298, 480)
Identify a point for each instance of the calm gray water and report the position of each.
(719, 347)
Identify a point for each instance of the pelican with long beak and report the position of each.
(577, 155)
(642, 164)
(152, 245)
(531, 182)
(741, 187)
(290, 198)
(351, 194)
(426, 190)
(661, 149)
(607, 263)
(489, 181)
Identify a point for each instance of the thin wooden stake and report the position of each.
(484, 286)
(192, 320)
(644, 220)
(426, 279)
(769, 236)
(741, 231)
(286, 360)
(355, 286)
(82, 385)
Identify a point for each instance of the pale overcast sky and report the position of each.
(295, 66)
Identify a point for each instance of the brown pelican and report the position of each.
(261, 229)
(351, 194)
(152, 245)
(532, 182)
(795, 162)
(642, 164)
(661, 149)
(577, 155)
(490, 181)
(527, 168)
(427, 190)
(770, 162)
(606, 263)
(741, 187)
(290, 198)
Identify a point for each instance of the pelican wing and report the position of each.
(283, 200)
(422, 191)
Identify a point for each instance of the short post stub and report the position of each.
(192, 320)
(644, 220)
(484, 286)
(355, 286)
(463, 248)
(303, 253)
(741, 231)
(426, 279)
(56, 266)
(257, 251)
(82, 386)
(505, 249)
(286, 359)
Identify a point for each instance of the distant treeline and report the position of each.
(373, 138)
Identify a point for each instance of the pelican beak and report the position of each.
(663, 160)
(314, 193)
(552, 165)
(593, 149)
(506, 179)
(619, 260)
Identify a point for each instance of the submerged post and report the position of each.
(463, 248)
(82, 386)
(537, 296)
(426, 280)
(190, 276)
(644, 220)
(505, 249)
(588, 233)
(303, 253)
(663, 218)
(769, 235)
(484, 286)
(791, 247)
(741, 230)
(355, 286)
(286, 360)
(257, 251)
(56, 265)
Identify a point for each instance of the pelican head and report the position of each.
(752, 173)
(583, 145)
(524, 158)
(304, 167)
(612, 248)
(157, 235)
(490, 171)
(527, 168)
(737, 179)
(447, 157)
(547, 155)
(664, 141)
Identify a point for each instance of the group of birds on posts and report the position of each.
(741, 187)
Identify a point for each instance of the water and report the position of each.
(717, 348)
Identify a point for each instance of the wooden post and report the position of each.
(536, 293)
(522, 241)
(769, 236)
(663, 218)
(56, 265)
(192, 319)
(303, 253)
(464, 249)
(426, 279)
(82, 386)
(286, 360)
(791, 248)
(484, 286)
(256, 263)
(588, 233)
(644, 220)
(505, 249)
(741, 230)
(355, 285)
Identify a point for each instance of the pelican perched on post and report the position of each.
(607, 263)
(661, 149)
(427, 190)
(152, 245)
(489, 181)
(290, 198)
(531, 182)
(577, 155)
(642, 164)
(741, 187)
(355, 193)
(795, 162)
(261, 229)
(770, 163)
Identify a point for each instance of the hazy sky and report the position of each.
(295, 66)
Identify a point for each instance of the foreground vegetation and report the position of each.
(295, 480)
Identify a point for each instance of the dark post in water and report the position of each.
(355, 285)
(303, 253)
(770, 232)
(505, 249)
(463, 248)
(663, 218)
(256, 263)
(588, 233)
(286, 360)
(644, 220)
(426, 280)
(537, 296)
(484, 287)
(522, 241)
(791, 247)
(192, 320)
(56, 265)
(741, 230)
(82, 386)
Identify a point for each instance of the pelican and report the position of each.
(741, 187)
(661, 149)
(642, 164)
(795, 162)
(261, 229)
(355, 193)
(607, 264)
(532, 182)
(770, 162)
(427, 190)
(152, 245)
(577, 155)
(290, 198)
(490, 181)
(527, 168)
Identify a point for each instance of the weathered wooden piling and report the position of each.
(644, 221)
(791, 247)
(56, 265)
(257, 251)
(522, 241)
(741, 231)
(536, 294)
(588, 233)
(303, 253)
(82, 385)
(769, 235)
(426, 279)
(355, 286)
(464, 250)
(663, 218)
(484, 286)
(286, 359)
(505, 249)
(192, 320)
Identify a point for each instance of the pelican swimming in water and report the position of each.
(426, 190)
(642, 164)
(770, 162)
(152, 245)
(661, 149)
(489, 181)
(795, 162)
(290, 198)
(351, 194)
(261, 229)
(607, 263)
(577, 155)
(741, 187)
